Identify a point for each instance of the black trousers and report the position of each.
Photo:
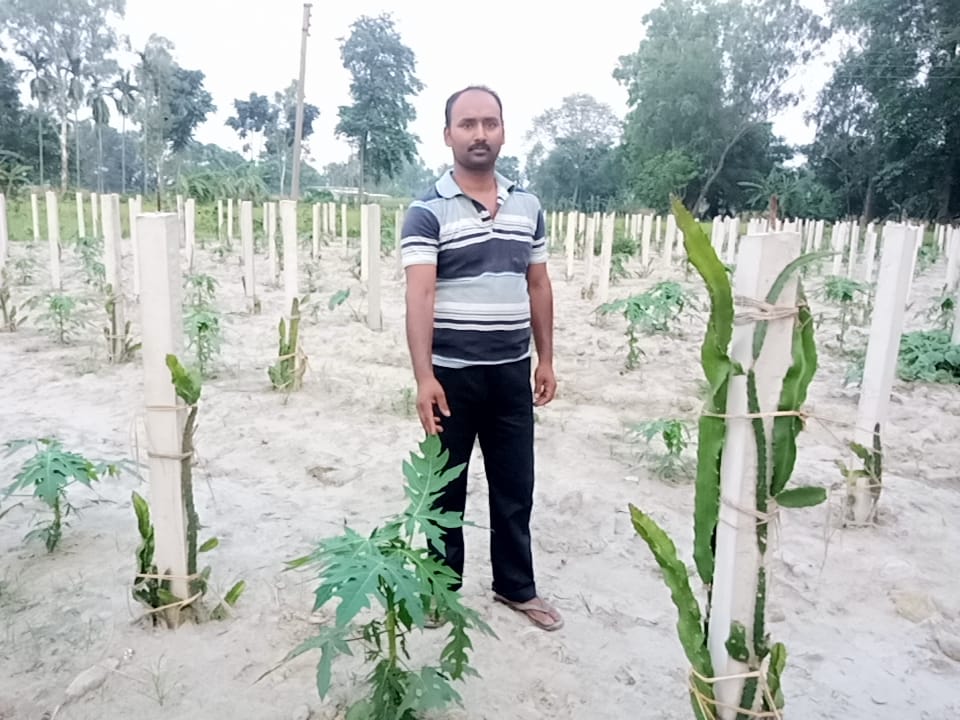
(493, 403)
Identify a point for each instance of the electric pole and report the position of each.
(298, 131)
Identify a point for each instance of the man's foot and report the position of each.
(537, 610)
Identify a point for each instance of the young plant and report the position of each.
(391, 568)
(674, 436)
(90, 251)
(60, 316)
(650, 312)
(10, 314)
(871, 470)
(776, 456)
(929, 356)
(941, 313)
(847, 294)
(287, 372)
(150, 587)
(202, 320)
(48, 474)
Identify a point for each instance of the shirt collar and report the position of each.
(447, 187)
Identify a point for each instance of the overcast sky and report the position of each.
(532, 53)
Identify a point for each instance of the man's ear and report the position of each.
(446, 136)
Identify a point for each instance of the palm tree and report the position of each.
(101, 117)
(39, 91)
(125, 100)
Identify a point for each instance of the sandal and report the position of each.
(533, 608)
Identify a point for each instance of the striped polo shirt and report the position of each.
(482, 308)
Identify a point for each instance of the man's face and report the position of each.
(476, 130)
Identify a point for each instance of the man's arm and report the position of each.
(541, 315)
(419, 242)
(541, 311)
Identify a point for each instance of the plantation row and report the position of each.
(759, 357)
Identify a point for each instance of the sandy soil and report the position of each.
(868, 616)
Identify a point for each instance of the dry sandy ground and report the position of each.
(866, 615)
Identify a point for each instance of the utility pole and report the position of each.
(298, 132)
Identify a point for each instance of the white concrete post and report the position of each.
(288, 229)
(883, 348)
(315, 239)
(35, 216)
(246, 241)
(606, 251)
(161, 319)
(4, 232)
(190, 231)
(53, 239)
(96, 227)
(81, 218)
(374, 315)
(669, 240)
(733, 230)
(229, 222)
(759, 261)
(133, 209)
(869, 254)
(219, 221)
(588, 247)
(853, 235)
(272, 264)
(571, 243)
(343, 227)
(645, 240)
(837, 240)
(364, 244)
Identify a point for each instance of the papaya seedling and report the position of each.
(776, 456)
(653, 311)
(392, 570)
(47, 474)
(201, 320)
(60, 317)
(848, 294)
(674, 435)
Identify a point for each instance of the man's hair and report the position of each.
(453, 98)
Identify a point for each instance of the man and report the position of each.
(475, 257)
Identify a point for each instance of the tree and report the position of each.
(173, 102)
(252, 116)
(509, 167)
(66, 42)
(708, 77)
(125, 98)
(888, 134)
(383, 78)
(570, 163)
(281, 127)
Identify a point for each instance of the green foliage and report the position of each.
(201, 322)
(848, 294)
(59, 315)
(382, 71)
(674, 435)
(287, 372)
(943, 311)
(48, 474)
(928, 356)
(11, 315)
(702, 87)
(653, 311)
(776, 457)
(391, 573)
(871, 469)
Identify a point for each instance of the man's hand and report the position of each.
(544, 384)
(430, 396)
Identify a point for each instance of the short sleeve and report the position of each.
(420, 235)
(539, 253)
